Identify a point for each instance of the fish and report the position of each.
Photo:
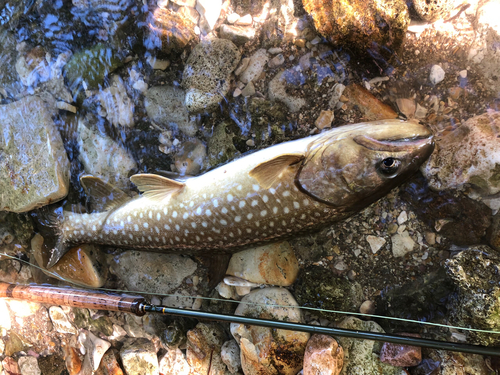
(288, 189)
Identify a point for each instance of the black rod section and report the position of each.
(277, 324)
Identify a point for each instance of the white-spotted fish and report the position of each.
(284, 190)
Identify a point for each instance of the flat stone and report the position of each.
(402, 244)
(375, 243)
(118, 107)
(34, 167)
(324, 119)
(436, 74)
(273, 264)
(239, 35)
(139, 357)
(152, 272)
(277, 91)
(249, 90)
(174, 363)
(94, 349)
(255, 66)
(323, 356)
(29, 365)
(371, 108)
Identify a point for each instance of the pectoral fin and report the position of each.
(156, 187)
(104, 196)
(268, 172)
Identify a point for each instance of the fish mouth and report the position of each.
(396, 145)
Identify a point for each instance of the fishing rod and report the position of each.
(94, 299)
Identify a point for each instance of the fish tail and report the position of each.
(49, 222)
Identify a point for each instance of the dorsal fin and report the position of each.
(269, 171)
(104, 195)
(156, 187)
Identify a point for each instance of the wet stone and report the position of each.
(165, 106)
(277, 91)
(34, 167)
(94, 349)
(402, 244)
(203, 352)
(255, 66)
(109, 364)
(139, 357)
(230, 354)
(29, 366)
(323, 356)
(152, 272)
(206, 73)
(401, 355)
(436, 74)
(60, 320)
(239, 35)
(174, 363)
(371, 108)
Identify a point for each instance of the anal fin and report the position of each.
(157, 187)
(104, 196)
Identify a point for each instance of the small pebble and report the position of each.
(275, 50)
(230, 354)
(367, 307)
(245, 20)
(232, 18)
(401, 355)
(249, 90)
(299, 42)
(436, 75)
(402, 218)
(463, 73)
(276, 61)
(250, 143)
(237, 92)
(158, 64)
(324, 119)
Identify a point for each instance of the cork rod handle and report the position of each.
(90, 299)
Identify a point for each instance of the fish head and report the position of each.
(352, 168)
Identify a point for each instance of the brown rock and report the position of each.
(204, 345)
(170, 30)
(109, 364)
(371, 108)
(364, 24)
(323, 356)
(401, 355)
(324, 120)
(72, 360)
(10, 366)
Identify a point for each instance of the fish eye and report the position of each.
(389, 166)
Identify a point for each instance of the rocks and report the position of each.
(402, 244)
(360, 356)
(34, 167)
(324, 119)
(323, 356)
(32, 67)
(139, 357)
(206, 73)
(230, 354)
(174, 363)
(273, 264)
(209, 12)
(116, 106)
(371, 108)
(277, 91)
(94, 349)
(169, 30)
(337, 293)
(262, 348)
(436, 75)
(468, 155)
(190, 158)
(476, 304)
(165, 106)
(204, 349)
(433, 10)
(29, 366)
(102, 157)
(239, 35)
(60, 320)
(254, 66)
(401, 355)
(366, 25)
(152, 272)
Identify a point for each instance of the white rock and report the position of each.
(375, 243)
(276, 61)
(118, 106)
(245, 20)
(436, 75)
(34, 167)
(277, 91)
(65, 106)
(338, 90)
(158, 64)
(226, 291)
(463, 73)
(242, 66)
(323, 356)
(255, 66)
(103, 157)
(232, 18)
(174, 363)
(209, 11)
(29, 366)
(141, 86)
(402, 244)
(402, 218)
(275, 50)
(230, 354)
(94, 348)
(60, 321)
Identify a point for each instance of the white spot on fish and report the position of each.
(141, 215)
(204, 224)
(249, 216)
(271, 223)
(177, 239)
(254, 203)
(283, 222)
(305, 202)
(208, 212)
(275, 210)
(210, 238)
(303, 216)
(215, 202)
(150, 214)
(224, 210)
(177, 227)
(265, 198)
(239, 187)
(238, 230)
(191, 204)
(255, 187)
(136, 227)
(286, 210)
(166, 226)
(198, 211)
(197, 238)
(272, 190)
(296, 205)
(229, 197)
(82, 232)
(149, 238)
(131, 236)
(193, 224)
(158, 216)
(94, 228)
(242, 204)
(263, 213)
(165, 211)
(237, 219)
(145, 225)
(223, 222)
(157, 230)
(129, 218)
(115, 232)
(249, 230)
(286, 193)
(185, 216)
(174, 214)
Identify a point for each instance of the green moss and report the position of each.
(220, 146)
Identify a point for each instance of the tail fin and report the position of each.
(48, 221)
